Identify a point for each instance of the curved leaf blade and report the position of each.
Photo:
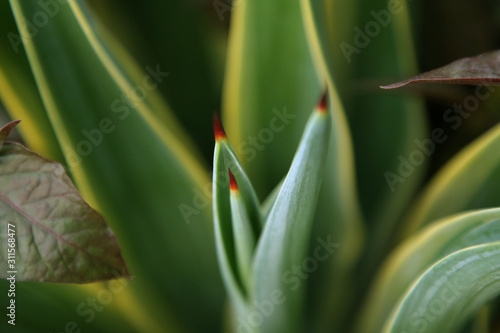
(449, 292)
(285, 238)
(237, 217)
(244, 236)
(223, 227)
(385, 127)
(245, 187)
(468, 181)
(49, 307)
(339, 213)
(146, 30)
(19, 93)
(420, 252)
(58, 237)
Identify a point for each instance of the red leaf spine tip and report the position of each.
(218, 129)
(323, 103)
(232, 181)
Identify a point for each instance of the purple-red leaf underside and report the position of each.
(481, 70)
(5, 131)
(57, 236)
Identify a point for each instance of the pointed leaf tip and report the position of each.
(5, 131)
(323, 103)
(480, 70)
(232, 181)
(218, 129)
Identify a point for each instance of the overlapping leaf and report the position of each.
(232, 162)
(285, 238)
(231, 228)
(265, 103)
(39, 199)
(61, 265)
(450, 292)
(339, 214)
(419, 253)
(129, 164)
(244, 237)
(59, 237)
(18, 90)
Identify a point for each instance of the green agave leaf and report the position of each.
(223, 227)
(338, 214)
(19, 93)
(449, 292)
(233, 163)
(483, 69)
(420, 252)
(243, 234)
(385, 128)
(63, 304)
(285, 238)
(149, 31)
(35, 310)
(130, 165)
(266, 206)
(237, 218)
(56, 235)
(269, 88)
(48, 307)
(126, 72)
(339, 20)
(468, 181)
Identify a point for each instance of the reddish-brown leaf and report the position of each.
(481, 70)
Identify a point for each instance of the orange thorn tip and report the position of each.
(232, 181)
(218, 129)
(323, 103)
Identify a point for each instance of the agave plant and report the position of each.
(318, 217)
